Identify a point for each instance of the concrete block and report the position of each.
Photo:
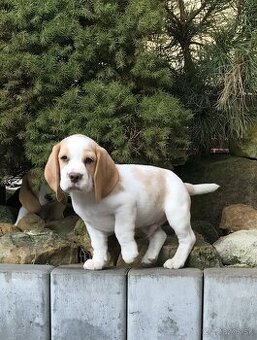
(230, 304)
(24, 302)
(164, 304)
(88, 305)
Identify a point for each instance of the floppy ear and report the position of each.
(106, 175)
(27, 198)
(52, 173)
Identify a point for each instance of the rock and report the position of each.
(238, 216)
(31, 222)
(81, 236)
(41, 247)
(6, 228)
(236, 176)
(55, 242)
(246, 146)
(6, 214)
(207, 230)
(239, 247)
(203, 255)
(238, 265)
(73, 229)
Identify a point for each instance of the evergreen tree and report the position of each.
(82, 66)
(211, 49)
(196, 44)
(235, 73)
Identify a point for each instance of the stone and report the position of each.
(6, 214)
(31, 222)
(69, 234)
(164, 304)
(239, 247)
(238, 216)
(203, 255)
(73, 229)
(6, 228)
(245, 146)
(37, 247)
(80, 235)
(236, 176)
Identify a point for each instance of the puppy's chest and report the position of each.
(96, 216)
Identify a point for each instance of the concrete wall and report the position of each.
(164, 304)
(42, 302)
(24, 302)
(230, 304)
(88, 304)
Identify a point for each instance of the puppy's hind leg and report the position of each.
(156, 241)
(178, 216)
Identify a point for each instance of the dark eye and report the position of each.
(64, 158)
(88, 160)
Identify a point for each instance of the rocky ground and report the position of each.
(66, 241)
(225, 223)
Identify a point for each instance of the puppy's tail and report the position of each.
(199, 189)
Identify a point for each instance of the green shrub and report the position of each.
(81, 66)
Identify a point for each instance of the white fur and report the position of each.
(134, 205)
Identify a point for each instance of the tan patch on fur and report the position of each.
(52, 172)
(27, 194)
(106, 175)
(153, 181)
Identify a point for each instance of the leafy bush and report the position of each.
(81, 66)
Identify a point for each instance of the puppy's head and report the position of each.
(78, 163)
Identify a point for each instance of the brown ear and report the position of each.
(27, 198)
(106, 175)
(52, 173)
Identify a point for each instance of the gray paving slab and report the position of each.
(230, 304)
(24, 302)
(88, 305)
(164, 304)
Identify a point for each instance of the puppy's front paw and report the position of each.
(129, 254)
(92, 264)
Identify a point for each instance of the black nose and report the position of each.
(75, 177)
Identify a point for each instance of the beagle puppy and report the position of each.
(119, 198)
(33, 201)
